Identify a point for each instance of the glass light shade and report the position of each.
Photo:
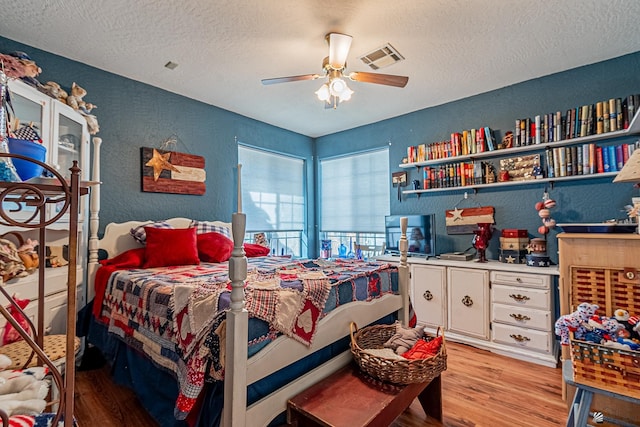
(323, 92)
(339, 45)
(337, 86)
(346, 94)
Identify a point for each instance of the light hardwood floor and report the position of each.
(479, 389)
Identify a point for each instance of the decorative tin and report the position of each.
(512, 257)
(514, 243)
(538, 260)
(514, 232)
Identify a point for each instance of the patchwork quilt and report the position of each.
(176, 315)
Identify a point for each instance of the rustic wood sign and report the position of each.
(172, 172)
(465, 220)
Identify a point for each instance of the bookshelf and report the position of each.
(633, 129)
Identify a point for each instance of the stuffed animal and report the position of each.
(29, 256)
(404, 338)
(22, 392)
(575, 322)
(54, 90)
(74, 100)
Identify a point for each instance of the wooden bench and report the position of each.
(350, 398)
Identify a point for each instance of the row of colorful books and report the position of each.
(587, 159)
(463, 143)
(457, 174)
(592, 119)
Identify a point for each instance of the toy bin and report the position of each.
(606, 368)
(596, 365)
(26, 169)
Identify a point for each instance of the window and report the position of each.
(273, 199)
(354, 199)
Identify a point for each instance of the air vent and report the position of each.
(382, 57)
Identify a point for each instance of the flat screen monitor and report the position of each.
(421, 234)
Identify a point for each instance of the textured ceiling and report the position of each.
(453, 48)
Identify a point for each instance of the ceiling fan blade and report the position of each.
(381, 79)
(339, 45)
(290, 79)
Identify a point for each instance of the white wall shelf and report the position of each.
(633, 129)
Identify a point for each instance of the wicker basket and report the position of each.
(395, 371)
(606, 368)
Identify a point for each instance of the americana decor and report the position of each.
(172, 172)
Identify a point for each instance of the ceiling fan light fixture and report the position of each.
(323, 93)
(346, 94)
(337, 86)
(339, 45)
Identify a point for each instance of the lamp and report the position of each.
(336, 89)
(630, 172)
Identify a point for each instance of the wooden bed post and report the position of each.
(237, 327)
(94, 219)
(403, 272)
(237, 330)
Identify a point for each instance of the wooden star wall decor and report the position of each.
(172, 172)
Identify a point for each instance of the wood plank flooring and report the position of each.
(479, 389)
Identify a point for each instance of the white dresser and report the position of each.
(505, 308)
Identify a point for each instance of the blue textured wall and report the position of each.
(133, 115)
(592, 200)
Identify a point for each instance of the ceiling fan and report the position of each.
(335, 90)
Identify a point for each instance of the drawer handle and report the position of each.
(519, 298)
(467, 301)
(520, 338)
(427, 295)
(520, 317)
(519, 280)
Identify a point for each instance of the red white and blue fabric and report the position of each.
(140, 234)
(172, 314)
(28, 133)
(208, 227)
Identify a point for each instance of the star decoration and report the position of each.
(160, 162)
(531, 263)
(510, 259)
(457, 214)
(542, 264)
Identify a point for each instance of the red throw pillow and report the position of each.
(133, 258)
(424, 349)
(214, 247)
(253, 250)
(167, 247)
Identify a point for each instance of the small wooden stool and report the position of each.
(579, 411)
(351, 398)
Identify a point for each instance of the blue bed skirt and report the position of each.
(157, 389)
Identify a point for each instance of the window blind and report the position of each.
(354, 192)
(272, 190)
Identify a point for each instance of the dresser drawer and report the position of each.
(520, 279)
(521, 316)
(521, 297)
(529, 339)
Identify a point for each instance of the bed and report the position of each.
(222, 368)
